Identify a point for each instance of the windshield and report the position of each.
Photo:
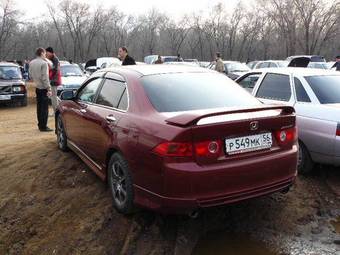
(283, 63)
(70, 70)
(194, 91)
(237, 67)
(326, 88)
(10, 72)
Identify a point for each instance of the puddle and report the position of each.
(222, 243)
(336, 224)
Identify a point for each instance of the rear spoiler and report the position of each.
(189, 119)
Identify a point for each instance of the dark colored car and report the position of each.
(12, 86)
(175, 139)
(303, 60)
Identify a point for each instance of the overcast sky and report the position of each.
(175, 8)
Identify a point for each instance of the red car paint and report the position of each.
(192, 177)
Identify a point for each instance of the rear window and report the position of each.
(326, 88)
(194, 91)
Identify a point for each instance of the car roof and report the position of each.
(143, 70)
(297, 71)
(227, 62)
(8, 64)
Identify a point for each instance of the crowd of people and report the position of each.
(45, 72)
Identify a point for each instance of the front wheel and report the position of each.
(120, 182)
(305, 163)
(61, 135)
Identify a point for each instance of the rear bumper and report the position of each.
(201, 187)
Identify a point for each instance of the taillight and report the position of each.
(286, 136)
(338, 130)
(208, 148)
(172, 149)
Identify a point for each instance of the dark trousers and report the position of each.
(42, 107)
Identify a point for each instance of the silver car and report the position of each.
(315, 95)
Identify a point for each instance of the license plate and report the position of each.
(5, 97)
(248, 143)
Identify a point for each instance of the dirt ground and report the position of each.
(51, 203)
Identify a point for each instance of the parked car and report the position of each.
(233, 69)
(137, 128)
(153, 58)
(194, 61)
(319, 65)
(304, 60)
(270, 63)
(12, 86)
(72, 78)
(315, 95)
(150, 59)
(251, 64)
(99, 63)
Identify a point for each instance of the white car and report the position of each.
(71, 78)
(315, 95)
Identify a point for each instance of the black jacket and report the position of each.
(337, 65)
(128, 61)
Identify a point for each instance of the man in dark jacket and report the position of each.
(337, 63)
(124, 57)
(54, 73)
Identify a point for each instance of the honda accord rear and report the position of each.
(189, 138)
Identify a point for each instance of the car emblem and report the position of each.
(254, 125)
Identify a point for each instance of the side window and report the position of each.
(275, 87)
(111, 93)
(88, 93)
(249, 81)
(123, 104)
(301, 94)
(272, 64)
(264, 65)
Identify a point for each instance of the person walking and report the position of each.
(38, 70)
(54, 75)
(159, 60)
(124, 57)
(219, 66)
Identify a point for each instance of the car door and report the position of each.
(313, 131)
(74, 117)
(275, 88)
(103, 117)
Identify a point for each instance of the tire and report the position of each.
(23, 103)
(305, 163)
(61, 135)
(120, 183)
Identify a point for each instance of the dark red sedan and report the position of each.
(175, 139)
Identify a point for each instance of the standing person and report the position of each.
(55, 75)
(159, 60)
(38, 70)
(337, 63)
(219, 66)
(124, 57)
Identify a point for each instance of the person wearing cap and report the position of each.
(38, 71)
(54, 74)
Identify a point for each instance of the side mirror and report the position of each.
(67, 95)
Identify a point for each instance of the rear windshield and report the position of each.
(195, 91)
(326, 88)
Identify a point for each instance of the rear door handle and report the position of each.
(111, 118)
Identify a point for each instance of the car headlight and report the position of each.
(18, 88)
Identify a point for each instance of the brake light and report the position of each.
(173, 149)
(208, 148)
(337, 133)
(286, 136)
